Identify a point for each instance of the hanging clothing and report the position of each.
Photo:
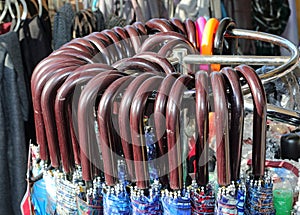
(62, 26)
(13, 111)
(34, 34)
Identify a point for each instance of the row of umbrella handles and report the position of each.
(114, 78)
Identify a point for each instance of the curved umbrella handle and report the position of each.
(225, 24)
(124, 121)
(221, 126)
(155, 40)
(89, 153)
(178, 26)
(236, 101)
(161, 61)
(135, 37)
(202, 112)
(259, 119)
(160, 25)
(160, 121)
(125, 40)
(137, 112)
(63, 105)
(172, 126)
(191, 31)
(138, 64)
(167, 49)
(107, 137)
(47, 101)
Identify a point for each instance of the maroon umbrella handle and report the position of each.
(167, 49)
(137, 112)
(156, 58)
(236, 101)
(135, 37)
(125, 40)
(191, 32)
(259, 119)
(172, 125)
(89, 153)
(221, 126)
(38, 114)
(105, 123)
(124, 121)
(155, 40)
(138, 64)
(202, 113)
(47, 101)
(107, 52)
(73, 53)
(63, 104)
(121, 52)
(179, 26)
(158, 25)
(160, 122)
(140, 27)
(52, 64)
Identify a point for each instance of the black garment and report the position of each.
(35, 42)
(270, 16)
(62, 26)
(13, 110)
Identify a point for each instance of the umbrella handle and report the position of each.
(202, 154)
(63, 104)
(160, 60)
(125, 40)
(124, 113)
(138, 64)
(159, 120)
(172, 126)
(47, 101)
(191, 31)
(37, 89)
(155, 40)
(135, 37)
(107, 137)
(221, 126)
(225, 25)
(89, 153)
(137, 112)
(178, 26)
(235, 98)
(158, 25)
(259, 119)
(140, 27)
(116, 42)
(166, 49)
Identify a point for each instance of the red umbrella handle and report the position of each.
(160, 120)
(107, 137)
(135, 37)
(89, 153)
(259, 119)
(141, 28)
(137, 113)
(172, 125)
(221, 126)
(202, 113)
(124, 121)
(236, 101)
